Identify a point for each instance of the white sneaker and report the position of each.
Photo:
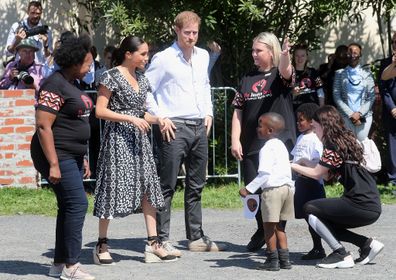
(204, 244)
(75, 272)
(369, 251)
(170, 249)
(56, 270)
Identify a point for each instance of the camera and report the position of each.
(43, 29)
(362, 119)
(25, 77)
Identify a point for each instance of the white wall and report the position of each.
(365, 33)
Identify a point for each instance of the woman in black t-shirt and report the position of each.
(360, 203)
(308, 85)
(266, 89)
(58, 149)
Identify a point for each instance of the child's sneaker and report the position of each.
(76, 272)
(369, 251)
(337, 259)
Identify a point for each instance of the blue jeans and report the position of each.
(72, 207)
(361, 131)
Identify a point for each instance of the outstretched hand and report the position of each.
(286, 46)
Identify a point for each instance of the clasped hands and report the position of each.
(356, 118)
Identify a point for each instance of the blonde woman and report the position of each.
(265, 89)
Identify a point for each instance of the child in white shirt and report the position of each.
(307, 151)
(274, 178)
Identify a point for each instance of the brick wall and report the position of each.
(17, 125)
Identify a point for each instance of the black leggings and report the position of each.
(338, 215)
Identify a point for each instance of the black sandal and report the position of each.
(101, 257)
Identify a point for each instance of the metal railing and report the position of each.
(221, 164)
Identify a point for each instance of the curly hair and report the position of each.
(307, 110)
(72, 51)
(336, 135)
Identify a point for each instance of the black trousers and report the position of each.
(191, 147)
(338, 215)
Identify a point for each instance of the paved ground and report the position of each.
(26, 244)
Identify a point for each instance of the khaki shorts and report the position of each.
(277, 204)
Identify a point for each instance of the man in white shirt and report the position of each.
(23, 29)
(181, 95)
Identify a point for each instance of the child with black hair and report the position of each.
(274, 178)
(307, 151)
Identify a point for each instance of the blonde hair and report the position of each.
(272, 43)
(186, 17)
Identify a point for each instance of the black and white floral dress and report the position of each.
(125, 170)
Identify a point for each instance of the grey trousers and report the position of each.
(191, 147)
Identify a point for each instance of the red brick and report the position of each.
(24, 163)
(24, 129)
(10, 172)
(9, 155)
(7, 147)
(6, 113)
(29, 92)
(6, 130)
(24, 147)
(27, 180)
(24, 102)
(29, 138)
(6, 181)
(12, 121)
(12, 93)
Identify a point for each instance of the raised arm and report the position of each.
(285, 67)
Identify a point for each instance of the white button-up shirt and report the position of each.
(179, 89)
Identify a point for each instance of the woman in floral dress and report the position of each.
(127, 180)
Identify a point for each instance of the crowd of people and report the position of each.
(293, 127)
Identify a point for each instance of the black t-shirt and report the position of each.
(259, 93)
(360, 187)
(310, 82)
(72, 108)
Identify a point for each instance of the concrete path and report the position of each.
(27, 242)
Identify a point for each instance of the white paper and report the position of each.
(250, 205)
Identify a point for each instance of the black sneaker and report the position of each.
(257, 241)
(337, 260)
(369, 251)
(314, 254)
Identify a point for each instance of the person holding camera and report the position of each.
(23, 73)
(353, 93)
(33, 28)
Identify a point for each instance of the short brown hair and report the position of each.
(36, 4)
(186, 17)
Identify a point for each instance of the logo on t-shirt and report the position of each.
(88, 106)
(258, 91)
